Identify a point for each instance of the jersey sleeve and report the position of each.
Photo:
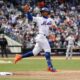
(32, 18)
(35, 19)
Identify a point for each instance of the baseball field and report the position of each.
(35, 68)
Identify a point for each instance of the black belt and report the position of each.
(44, 35)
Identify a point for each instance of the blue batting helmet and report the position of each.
(45, 9)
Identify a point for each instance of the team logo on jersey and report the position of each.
(46, 23)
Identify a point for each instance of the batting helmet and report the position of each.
(45, 9)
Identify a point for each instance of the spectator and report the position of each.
(3, 44)
(16, 25)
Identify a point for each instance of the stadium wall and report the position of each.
(13, 45)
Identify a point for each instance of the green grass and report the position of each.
(39, 65)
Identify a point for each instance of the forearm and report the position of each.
(26, 9)
(29, 16)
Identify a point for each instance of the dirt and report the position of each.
(44, 75)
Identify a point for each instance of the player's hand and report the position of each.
(52, 37)
(26, 8)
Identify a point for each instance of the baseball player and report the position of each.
(44, 23)
(70, 39)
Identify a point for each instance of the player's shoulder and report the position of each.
(38, 17)
(50, 19)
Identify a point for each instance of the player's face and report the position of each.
(45, 13)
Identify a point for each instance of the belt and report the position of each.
(44, 35)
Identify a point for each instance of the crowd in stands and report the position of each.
(65, 13)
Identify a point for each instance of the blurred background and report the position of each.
(20, 32)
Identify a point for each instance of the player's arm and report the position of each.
(26, 9)
(52, 37)
(55, 27)
(28, 14)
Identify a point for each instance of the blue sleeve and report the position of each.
(29, 16)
